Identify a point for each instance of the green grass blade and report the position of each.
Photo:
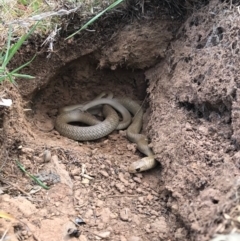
(10, 78)
(31, 176)
(2, 78)
(24, 65)
(113, 5)
(19, 43)
(5, 58)
(25, 76)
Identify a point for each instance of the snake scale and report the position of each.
(98, 129)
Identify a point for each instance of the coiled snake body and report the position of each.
(98, 129)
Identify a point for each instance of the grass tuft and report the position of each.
(7, 54)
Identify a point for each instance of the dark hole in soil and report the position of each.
(215, 201)
(80, 81)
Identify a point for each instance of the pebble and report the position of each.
(153, 212)
(103, 235)
(101, 226)
(139, 175)
(102, 166)
(203, 130)
(105, 215)
(150, 197)
(26, 150)
(130, 191)
(148, 228)
(104, 173)
(122, 179)
(47, 155)
(188, 127)
(136, 220)
(89, 213)
(137, 179)
(85, 181)
(76, 171)
(160, 225)
(120, 187)
(124, 214)
(83, 238)
(139, 190)
(24, 233)
(141, 199)
(99, 203)
(122, 238)
(134, 238)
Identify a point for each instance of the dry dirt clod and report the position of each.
(103, 235)
(134, 238)
(122, 238)
(159, 225)
(124, 214)
(27, 150)
(122, 179)
(120, 187)
(99, 203)
(47, 156)
(83, 238)
(104, 173)
(105, 215)
(89, 213)
(136, 179)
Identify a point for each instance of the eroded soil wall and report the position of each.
(186, 75)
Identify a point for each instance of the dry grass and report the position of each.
(23, 14)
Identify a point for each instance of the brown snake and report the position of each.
(98, 129)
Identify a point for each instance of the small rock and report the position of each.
(153, 212)
(24, 233)
(203, 130)
(132, 147)
(76, 172)
(139, 175)
(141, 199)
(104, 173)
(122, 238)
(124, 214)
(150, 197)
(160, 225)
(104, 235)
(129, 191)
(89, 213)
(105, 215)
(134, 238)
(113, 215)
(120, 187)
(85, 181)
(139, 190)
(99, 203)
(101, 226)
(122, 179)
(136, 220)
(188, 127)
(136, 179)
(83, 238)
(26, 150)
(47, 155)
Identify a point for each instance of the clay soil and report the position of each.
(185, 75)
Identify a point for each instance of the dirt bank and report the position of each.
(185, 74)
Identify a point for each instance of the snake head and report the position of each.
(144, 164)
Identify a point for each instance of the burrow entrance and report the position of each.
(198, 182)
(113, 199)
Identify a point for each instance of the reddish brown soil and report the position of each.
(188, 86)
